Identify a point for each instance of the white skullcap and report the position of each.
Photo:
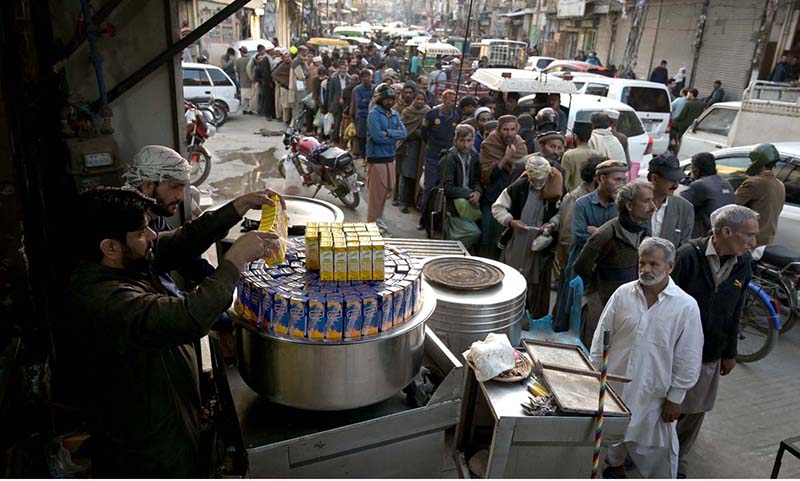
(316, 59)
(612, 114)
(157, 163)
(537, 167)
(482, 110)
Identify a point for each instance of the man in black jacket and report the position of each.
(461, 181)
(335, 101)
(707, 193)
(715, 271)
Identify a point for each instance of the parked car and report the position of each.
(732, 163)
(203, 81)
(560, 67)
(538, 64)
(580, 108)
(650, 100)
(768, 110)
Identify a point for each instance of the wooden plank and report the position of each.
(583, 372)
(578, 394)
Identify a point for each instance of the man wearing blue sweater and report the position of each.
(384, 130)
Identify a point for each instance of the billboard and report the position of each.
(571, 8)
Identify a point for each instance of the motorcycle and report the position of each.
(321, 165)
(199, 127)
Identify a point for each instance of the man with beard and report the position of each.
(657, 341)
(611, 255)
(522, 209)
(590, 212)
(136, 341)
(552, 148)
(673, 218)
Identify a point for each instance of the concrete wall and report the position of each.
(147, 113)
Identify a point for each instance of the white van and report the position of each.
(582, 106)
(201, 80)
(650, 100)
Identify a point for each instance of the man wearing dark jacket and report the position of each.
(673, 218)
(715, 271)
(691, 110)
(335, 102)
(660, 74)
(460, 176)
(136, 341)
(707, 193)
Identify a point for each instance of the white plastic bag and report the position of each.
(327, 123)
(490, 357)
(293, 183)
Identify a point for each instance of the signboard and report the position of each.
(571, 8)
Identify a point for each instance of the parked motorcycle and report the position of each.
(199, 127)
(321, 165)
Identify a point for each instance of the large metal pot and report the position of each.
(333, 376)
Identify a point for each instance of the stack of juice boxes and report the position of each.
(349, 251)
(291, 299)
(274, 219)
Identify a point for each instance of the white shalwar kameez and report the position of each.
(660, 349)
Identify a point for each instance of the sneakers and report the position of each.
(381, 226)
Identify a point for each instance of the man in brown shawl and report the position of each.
(411, 150)
(281, 77)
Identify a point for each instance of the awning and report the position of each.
(518, 13)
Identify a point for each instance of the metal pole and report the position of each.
(464, 49)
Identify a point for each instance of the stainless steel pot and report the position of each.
(333, 376)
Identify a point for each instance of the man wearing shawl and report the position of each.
(522, 208)
(411, 150)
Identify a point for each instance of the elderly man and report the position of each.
(674, 216)
(657, 341)
(610, 256)
(715, 271)
(522, 208)
(500, 165)
(763, 192)
(590, 212)
(135, 339)
(707, 193)
(552, 148)
(603, 141)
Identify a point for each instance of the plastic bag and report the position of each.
(491, 356)
(293, 183)
(327, 123)
(350, 131)
(317, 118)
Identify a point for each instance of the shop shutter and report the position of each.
(728, 45)
(603, 39)
(643, 69)
(623, 29)
(676, 33)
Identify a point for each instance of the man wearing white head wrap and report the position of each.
(521, 209)
(161, 173)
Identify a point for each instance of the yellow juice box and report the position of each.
(365, 254)
(353, 261)
(370, 314)
(280, 312)
(334, 318)
(326, 269)
(298, 316)
(339, 260)
(312, 225)
(316, 317)
(312, 249)
(274, 219)
(378, 271)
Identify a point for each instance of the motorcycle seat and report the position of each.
(780, 256)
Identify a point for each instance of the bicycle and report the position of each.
(759, 325)
(777, 271)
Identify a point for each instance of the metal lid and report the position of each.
(462, 273)
(509, 289)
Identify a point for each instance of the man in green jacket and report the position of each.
(135, 341)
(694, 108)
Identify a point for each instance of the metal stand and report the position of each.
(793, 446)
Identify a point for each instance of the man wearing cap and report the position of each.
(673, 218)
(763, 192)
(572, 160)
(613, 115)
(522, 209)
(245, 81)
(527, 132)
(603, 141)
(298, 78)
(707, 193)
(136, 339)
(590, 212)
(610, 257)
(552, 147)
(438, 131)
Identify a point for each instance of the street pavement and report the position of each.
(756, 406)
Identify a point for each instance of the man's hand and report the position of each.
(670, 411)
(474, 198)
(517, 225)
(591, 229)
(254, 200)
(249, 247)
(726, 366)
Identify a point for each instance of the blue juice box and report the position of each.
(353, 319)
(280, 312)
(417, 293)
(370, 313)
(298, 315)
(265, 317)
(255, 301)
(398, 305)
(316, 317)
(385, 303)
(408, 298)
(334, 318)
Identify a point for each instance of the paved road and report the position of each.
(756, 407)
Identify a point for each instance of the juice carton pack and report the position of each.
(298, 315)
(255, 301)
(370, 314)
(417, 292)
(353, 319)
(334, 318)
(316, 317)
(248, 313)
(274, 219)
(267, 295)
(385, 303)
(365, 255)
(312, 249)
(408, 298)
(398, 305)
(339, 260)
(378, 270)
(353, 261)
(238, 304)
(280, 312)
(326, 267)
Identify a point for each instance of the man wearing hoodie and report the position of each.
(603, 141)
